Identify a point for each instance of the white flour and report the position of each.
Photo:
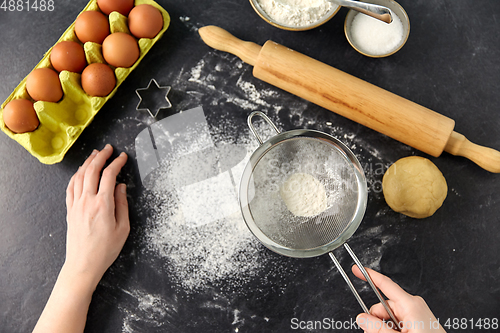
(296, 13)
(145, 307)
(304, 195)
(198, 227)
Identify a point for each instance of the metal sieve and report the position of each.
(269, 218)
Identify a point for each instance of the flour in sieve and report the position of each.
(304, 195)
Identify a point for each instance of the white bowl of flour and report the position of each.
(295, 15)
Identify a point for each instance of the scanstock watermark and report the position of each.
(278, 170)
(325, 324)
(332, 324)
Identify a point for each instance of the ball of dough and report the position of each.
(414, 186)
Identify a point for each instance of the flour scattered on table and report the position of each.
(148, 308)
(194, 218)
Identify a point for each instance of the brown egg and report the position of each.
(19, 116)
(120, 50)
(121, 6)
(92, 26)
(43, 85)
(68, 56)
(98, 80)
(145, 21)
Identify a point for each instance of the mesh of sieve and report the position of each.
(320, 156)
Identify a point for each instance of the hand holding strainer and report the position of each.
(269, 218)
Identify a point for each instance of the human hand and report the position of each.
(98, 225)
(97, 216)
(412, 312)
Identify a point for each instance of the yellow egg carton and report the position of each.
(62, 123)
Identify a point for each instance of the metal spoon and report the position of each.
(379, 12)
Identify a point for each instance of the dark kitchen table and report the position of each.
(450, 64)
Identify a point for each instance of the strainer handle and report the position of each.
(349, 283)
(370, 282)
(368, 279)
(262, 115)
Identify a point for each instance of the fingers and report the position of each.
(88, 175)
(390, 289)
(93, 171)
(379, 311)
(108, 179)
(121, 208)
(70, 193)
(80, 176)
(371, 324)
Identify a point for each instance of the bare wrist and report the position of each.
(82, 283)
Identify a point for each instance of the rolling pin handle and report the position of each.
(222, 40)
(486, 158)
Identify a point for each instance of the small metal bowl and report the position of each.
(396, 10)
(258, 9)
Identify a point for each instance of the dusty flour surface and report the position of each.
(196, 224)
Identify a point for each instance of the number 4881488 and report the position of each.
(27, 5)
(467, 324)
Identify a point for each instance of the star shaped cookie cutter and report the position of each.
(147, 98)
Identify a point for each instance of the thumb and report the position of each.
(121, 207)
(372, 324)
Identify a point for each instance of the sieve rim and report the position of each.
(246, 178)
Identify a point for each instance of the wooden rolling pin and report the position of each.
(352, 98)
